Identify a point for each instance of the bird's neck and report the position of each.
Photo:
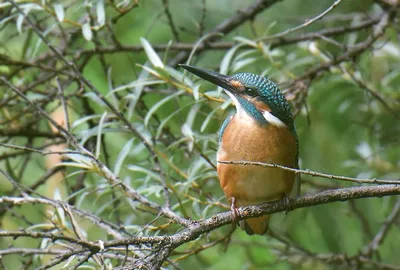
(245, 109)
(257, 111)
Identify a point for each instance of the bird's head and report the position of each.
(252, 95)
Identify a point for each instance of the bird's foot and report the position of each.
(234, 212)
(287, 202)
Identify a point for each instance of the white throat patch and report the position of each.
(272, 119)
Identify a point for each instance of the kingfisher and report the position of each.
(261, 130)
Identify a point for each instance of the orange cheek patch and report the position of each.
(236, 84)
(261, 106)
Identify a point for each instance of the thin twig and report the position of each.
(170, 20)
(307, 23)
(312, 173)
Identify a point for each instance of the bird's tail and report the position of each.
(258, 225)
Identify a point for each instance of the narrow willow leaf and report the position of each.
(111, 87)
(192, 115)
(95, 98)
(150, 190)
(165, 58)
(99, 133)
(165, 121)
(67, 262)
(137, 92)
(78, 192)
(20, 20)
(179, 76)
(42, 226)
(104, 206)
(136, 84)
(146, 171)
(196, 92)
(80, 121)
(269, 28)
(85, 134)
(7, 19)
(39, 41)
(151, 54)
(87, 31)
(100, 12)
(75, 164)
(151, 71)
(188, 133)
(211, 114)
(226, 61)
(240, 64)
(390, 78)
(80, 200)
(26, 8)
(45, 242)
(59, 210)
(246, 41)
(276, 53)
(80, 159)
(156, 106)
(247, 54)
(200, 42)
(196, 167)
(304, 61)
(122, 155)
(59, 10)
(176, 143)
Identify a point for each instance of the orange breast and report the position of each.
(243, 139)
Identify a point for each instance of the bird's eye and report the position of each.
(250, 91)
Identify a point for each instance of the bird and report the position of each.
(261, 130)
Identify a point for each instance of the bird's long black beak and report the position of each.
(211, 76)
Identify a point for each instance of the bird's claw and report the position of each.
(287, 202)
(234, 212)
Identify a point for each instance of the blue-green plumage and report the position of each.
(267, 92)
(222, 129)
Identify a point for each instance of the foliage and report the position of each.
(107, 148)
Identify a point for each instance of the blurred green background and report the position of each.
(342, 129)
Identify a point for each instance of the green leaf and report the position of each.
(122, 155)
(80, 161)
(165, 121)
(138, 83)
(246, 41)
(211, 114)
(151, 54)
(95, 98)
(196, 92)
(20, 20)
(188, 133)
(59, 10)
(269, 28)
(100, 12)
(87, 31)
(240, 64)
(146, 171)
(179, 76)
(226, 61)
(156, 106)
(137, 92)
(99, 133)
